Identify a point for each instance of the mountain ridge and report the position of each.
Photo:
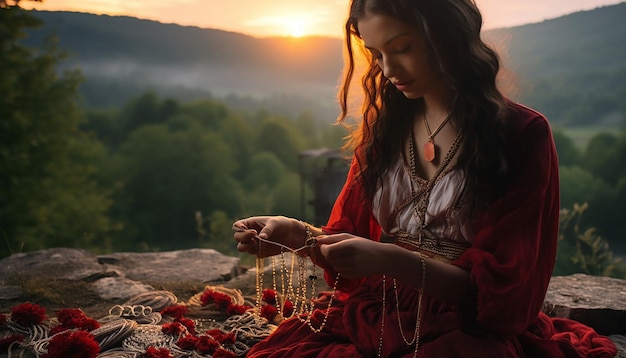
(123, 55)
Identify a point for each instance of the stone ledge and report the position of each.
(599, 302)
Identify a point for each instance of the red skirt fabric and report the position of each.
(353, 329)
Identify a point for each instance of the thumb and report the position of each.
(267, 230)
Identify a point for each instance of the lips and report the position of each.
(403, 86)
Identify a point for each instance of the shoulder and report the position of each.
(520, 116)
(528, 140)
(523, 123)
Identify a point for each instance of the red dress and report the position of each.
(510, 262)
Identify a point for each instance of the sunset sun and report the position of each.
(296, 28)
(295, 22)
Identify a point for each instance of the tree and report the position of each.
(601, 157)
(49, 196)
(580, 186)
(568, 153)
(583, 250)
(279, 137)
(264, 172)
(168, 177)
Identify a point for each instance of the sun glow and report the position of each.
(293, 24)
(296, 28)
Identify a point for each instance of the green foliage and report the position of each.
(279, 137)
(568, 152)
(264, 172)
(196, 157)
(132, 179)
(582, 250)
(50, 196)
(605, 157)
(595, 176)
(171, 175)
(580, 186)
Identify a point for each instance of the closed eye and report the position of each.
(404, 49)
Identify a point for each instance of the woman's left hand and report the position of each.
(352, 256)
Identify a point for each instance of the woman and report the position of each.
(443, 239)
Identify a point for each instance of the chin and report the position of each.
(412, 95)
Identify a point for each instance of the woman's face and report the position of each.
(400, 52)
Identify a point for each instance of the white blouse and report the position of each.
(394, 204)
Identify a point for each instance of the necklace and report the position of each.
(299, 295)
(422, 204)
(420, 210)
(430, 151)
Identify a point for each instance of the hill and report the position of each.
(572, 68)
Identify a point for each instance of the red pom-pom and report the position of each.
(269, 296)
(70, 316)
(5, 342)
(191, 327)
(222, 337)
(187, 342)
(75, 318)
(78, 344)
(287, 309)
(58, 329)
(223, 353)
(89, 324)
(28, 314)
(207, 345)
(176, 311)
(3, 319)
(237, 309)
(221, 300)
(152, 352)
(269, 312)
(173, 329)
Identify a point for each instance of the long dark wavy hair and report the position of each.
(468, 66)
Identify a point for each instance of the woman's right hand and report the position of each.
(279, 229)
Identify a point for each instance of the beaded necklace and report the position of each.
(420, 211)
(299, 295)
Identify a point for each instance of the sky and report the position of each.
(264, 18)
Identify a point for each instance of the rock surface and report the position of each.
(60, 277)
(599, 302)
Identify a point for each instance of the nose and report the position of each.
(388, 66)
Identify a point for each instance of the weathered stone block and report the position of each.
(599, 302)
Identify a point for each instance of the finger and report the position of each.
(329, 239)
(269, 228)
(324, 250)
(249, 247)
(239, 225)
(245, 236)
(254, 222)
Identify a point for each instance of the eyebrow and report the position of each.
(392, 39)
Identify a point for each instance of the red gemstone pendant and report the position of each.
(429, 151)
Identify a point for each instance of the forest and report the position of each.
(160, 173)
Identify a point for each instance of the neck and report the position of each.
(438, 105)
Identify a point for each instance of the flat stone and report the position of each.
(193, 265)
(56, 263)
(599, 302)
(113, 288)
(10, 292)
